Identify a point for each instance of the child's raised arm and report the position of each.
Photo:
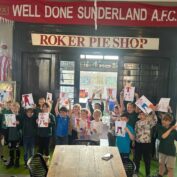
(167, 133)
(57, 107)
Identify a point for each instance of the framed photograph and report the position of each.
(7, 91)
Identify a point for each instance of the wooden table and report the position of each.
(85, 161)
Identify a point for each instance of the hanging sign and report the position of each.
(95, 41)
(87, 13)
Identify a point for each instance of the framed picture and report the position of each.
(7, 91)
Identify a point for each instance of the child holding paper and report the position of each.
(75, 115)
(114, 116)
(167, 134)
(143, 147)
(96, 126)
(14, 137)
(123, 142)
(99, 106)
(83, 124)
(44, 133)
(62, 122)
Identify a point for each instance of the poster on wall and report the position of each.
(7, 91)
(10, 120)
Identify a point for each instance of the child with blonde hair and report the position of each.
(83, 124)
(96, 126)
(74, 115)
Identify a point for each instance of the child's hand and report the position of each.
(17, 122)
(49, 120)
(94, 130)
(126, 129)
(174, 127)
(37, 121)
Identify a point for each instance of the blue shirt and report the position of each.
(62, 126)
(123, 143)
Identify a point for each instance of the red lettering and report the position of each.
(134, 42)
(72, 41)
(124, 42)
(60, 40)
(106, 42)
(116, 42)
(43, 40)
(142, 42)
(92, 41)
(52, 40)
(80, 42)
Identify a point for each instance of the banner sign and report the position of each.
(95, 41)
(87, 13)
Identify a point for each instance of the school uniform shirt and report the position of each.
(167, 145)
(99, 128)
(143, 129)
(29, 125)
(62, 126)
(123, 143)
(47, 131)
(14, 133)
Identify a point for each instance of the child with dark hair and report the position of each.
(167, 134)
(114, 116)
(29, 126)
(45, 133)
(62, 124)
(99, 106)
(143, 146)
(123, 142)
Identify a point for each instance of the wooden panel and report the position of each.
(85, 161)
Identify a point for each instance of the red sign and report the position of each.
(85, 13)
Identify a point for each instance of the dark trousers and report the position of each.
(28, 145)
(111, 139)
(62, 140)
(72, 137)
(43, 144)
(143, 149)
(14, 151)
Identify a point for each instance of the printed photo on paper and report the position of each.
(129, 93)
(27, 100)
(43, 120)
(144, 104)
(49, 96)
(10, 120)
(163, 104)
(120, 128)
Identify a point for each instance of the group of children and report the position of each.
(69, 124)
(140, 130)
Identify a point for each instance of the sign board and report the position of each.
(163, 104)
(27, 100)
(116, 42)
(120, 128)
